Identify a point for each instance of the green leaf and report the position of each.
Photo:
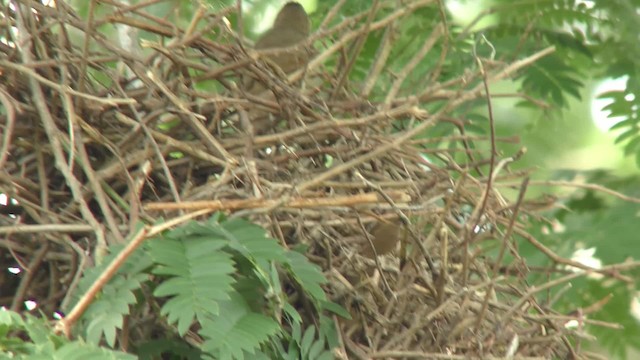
(327, 355)
(307, 341)
(236, 330)
(633, 146)
(551, 78)
(311, 347)
(316, 348)
(33, 338)
(256, 249)
(10, 318)
(106, 313)
(253, 242)
(329, 331)
(308, 275)
(26, 334)
(292, 313)
(81, 351)
(296, 332)
(336, 309)
(199, 277)
(135, 265)
(622, 124)
(166, 348)
(626, 135)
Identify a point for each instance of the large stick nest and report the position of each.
(98, 134)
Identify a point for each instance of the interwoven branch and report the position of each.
(103, 130)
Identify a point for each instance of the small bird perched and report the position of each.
(385, 236)
(291, 27)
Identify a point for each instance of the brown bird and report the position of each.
(291, 27)
(385, 236)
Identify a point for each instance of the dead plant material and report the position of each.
(104, 129)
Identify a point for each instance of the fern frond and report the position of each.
(236, 330)
(544, 12)
(624, 105)
(551, 79)
(106, 313)
(307, 274)
(305, 346)
(253, 242)
(80, 351)
(43, 343)
(199, 277)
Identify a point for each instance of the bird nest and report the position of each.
(99, 134)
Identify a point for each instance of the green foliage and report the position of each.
(592, 220)
(618, 341)
(530, 26)
(551, 79)
(153, 349)
(27, 337)
(549, 13)
(106, 313)
(596, 38)
(198, 277)
(237, 330)
(304, 346)
(307, 274)
(624, 105)
(224, 275)
(597, 220)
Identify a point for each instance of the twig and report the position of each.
(298, 203)
(64, 325)
(32, 75)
